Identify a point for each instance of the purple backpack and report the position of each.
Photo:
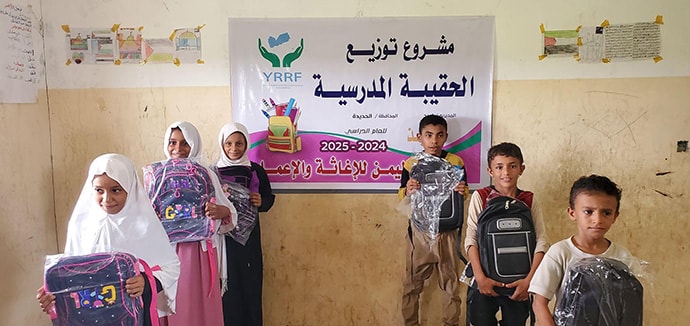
(90, 290)
(179, 190)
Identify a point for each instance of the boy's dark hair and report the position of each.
(504, 149)
(433, 119)
(592, 184)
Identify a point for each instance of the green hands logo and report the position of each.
(288, 59)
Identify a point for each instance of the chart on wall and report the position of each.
(335, 103)
(18, 58)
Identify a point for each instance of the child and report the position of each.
(422, 259)
(195, 305)
(242, 303)
(594, 205)
(113, 213)
(505, 167)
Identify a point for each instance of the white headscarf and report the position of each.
(227, 130)
(191, 135)
(135, 229)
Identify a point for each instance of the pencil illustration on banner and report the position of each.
(269, 108)
(291, 103)
(282, 128)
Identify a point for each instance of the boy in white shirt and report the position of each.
(594, 205)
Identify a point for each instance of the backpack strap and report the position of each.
(148, 273)
(489, 192)
(526, 197)
(213, 263)
(484, 194)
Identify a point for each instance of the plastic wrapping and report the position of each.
(247, 213)
(437, 178)
(90, 290)
(600, 291)
(179, 190)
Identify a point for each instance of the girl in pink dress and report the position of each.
(198, 292)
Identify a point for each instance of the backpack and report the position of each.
(506, 236)
(282, 135)
(600, 291)
(179, 190)
(431, 171)
(90, 290)
(237, 183)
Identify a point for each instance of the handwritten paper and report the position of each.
(632, 41)
(17, 58)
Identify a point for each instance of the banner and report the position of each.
(335, 103)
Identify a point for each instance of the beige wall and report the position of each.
(27, 219)
(338, 258)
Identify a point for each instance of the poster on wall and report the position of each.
(335, 103)
(18, 59)
(129, 45)
(187, 45)
(605, 43)
(91, 45)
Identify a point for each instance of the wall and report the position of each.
(338, 259)
(27, 218)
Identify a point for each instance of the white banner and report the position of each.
(357, 88)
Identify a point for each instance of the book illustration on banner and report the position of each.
(282, 127)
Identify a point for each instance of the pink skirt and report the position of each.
(194, 305)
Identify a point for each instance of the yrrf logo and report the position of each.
(281, 51)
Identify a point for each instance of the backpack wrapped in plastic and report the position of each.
(247, 213)
(179, 190)
(90, 289)
(600, 291)
(437, 178)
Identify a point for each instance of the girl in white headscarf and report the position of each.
(195, 305)
(242, 303)
(112, 214)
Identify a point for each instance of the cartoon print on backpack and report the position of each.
(89, 289)
(179, 190)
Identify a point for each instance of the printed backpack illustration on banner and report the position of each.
(282, 129)
(90, 290)
(179, 190)
(506, 237)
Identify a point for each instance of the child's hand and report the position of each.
(486, 286)
(521, 287)
(135, 286)
(460, 188)
(411, 186)
(45, 299)
(255, 198)
(216, 212)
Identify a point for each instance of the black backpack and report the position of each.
(431, 170)
(506, 237)
(600, 291)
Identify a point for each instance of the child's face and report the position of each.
(594, 213)
(505, 171)
(432, 139)
(235, 146)
(109, 194)
(177, 145)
